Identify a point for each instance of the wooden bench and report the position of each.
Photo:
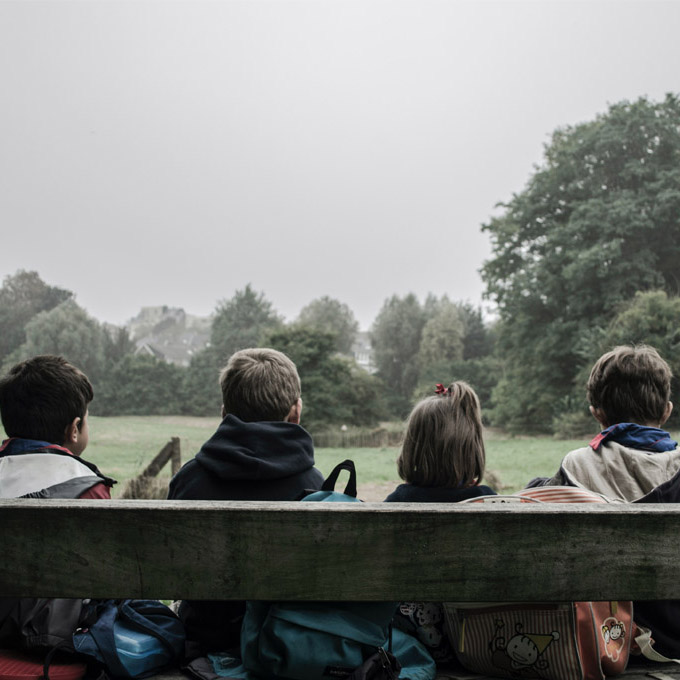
(337, 551)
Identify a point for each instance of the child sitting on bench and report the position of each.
(632, 458)
(442, 460)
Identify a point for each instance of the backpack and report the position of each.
(553, 641)
(315, 640)
(38, 623)
(131, 638)
(127, 638)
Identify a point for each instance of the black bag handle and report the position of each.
(330, 481)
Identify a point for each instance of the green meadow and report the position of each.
(123, 446)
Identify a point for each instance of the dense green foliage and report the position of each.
(653, 318)
(201, 389)
(67, 330)
(598, 222)
(396, 336)
(22, 296)
(443, 332)
(331, 316)
(240, 322)
(141, 385)
(417, 345)
(334, 390)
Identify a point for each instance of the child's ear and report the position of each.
(295, 413)
(667, 413)
(72, 433)
(598, 414)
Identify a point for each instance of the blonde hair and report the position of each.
(259, 384)
(632, 383)
(443, 444)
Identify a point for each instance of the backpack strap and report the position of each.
(330, 481)
(644, 642)
(147, 624)
(102, 633)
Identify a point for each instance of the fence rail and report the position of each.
(337, 439)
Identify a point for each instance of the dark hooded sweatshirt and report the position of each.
(260, 461)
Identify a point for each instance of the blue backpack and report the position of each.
(131, 638)
(317, 640)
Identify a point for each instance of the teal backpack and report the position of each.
(323, 640)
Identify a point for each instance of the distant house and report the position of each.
(362, 351)
(169, 333)
(147, 349)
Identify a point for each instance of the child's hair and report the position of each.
(42, 396)
(443, 445)
(630, 384)
(259, 384)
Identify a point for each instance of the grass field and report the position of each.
(123, 446)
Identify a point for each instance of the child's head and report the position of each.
(630, 384)
(261, 384)
(46, 398)
(443, 445)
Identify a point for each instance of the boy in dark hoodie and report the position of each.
(259, 452)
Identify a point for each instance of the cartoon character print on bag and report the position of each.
(613, 634)
(427, 621)
(522, 655)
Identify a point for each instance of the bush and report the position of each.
(574, 425)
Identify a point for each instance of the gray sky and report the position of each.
(171, 152)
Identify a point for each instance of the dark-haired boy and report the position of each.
(629, 394)
(259, 452)
(632, 459)
(44, 406)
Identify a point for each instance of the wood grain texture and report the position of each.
(327, 551)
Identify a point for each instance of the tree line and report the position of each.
(46, 319)
(583, 258)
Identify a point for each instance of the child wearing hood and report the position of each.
(629, 394)
(632, 459)
(259, 452)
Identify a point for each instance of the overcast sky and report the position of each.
(171, 152)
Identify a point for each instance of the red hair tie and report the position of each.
(440, 389)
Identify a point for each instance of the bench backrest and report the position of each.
(337, 551)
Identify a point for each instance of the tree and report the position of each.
(241, 322)
(478, 338)
(442, 336)
(334, 389)
(141, 385)
(652, 318)
(331, 316)
(69, 331)
(201, 390)
(396, 337)
(22, 296)
(117, 344)
(481, 374)
(597, 222)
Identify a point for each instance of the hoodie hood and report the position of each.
(620, 472)
(257, 451)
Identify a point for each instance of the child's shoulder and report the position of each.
(411, 493)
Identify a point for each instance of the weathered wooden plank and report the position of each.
(317, 551)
